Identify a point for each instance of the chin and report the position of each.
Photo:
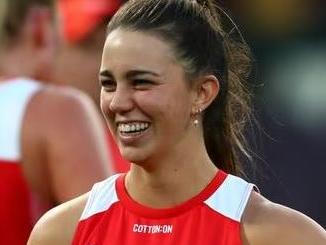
(136, 156)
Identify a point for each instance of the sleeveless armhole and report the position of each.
(245, 200)
(15, 97)
(231, 198)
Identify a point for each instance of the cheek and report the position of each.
(165, 106)
(105, 104)
(153, 103)
(178, 103)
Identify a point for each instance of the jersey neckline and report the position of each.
(148, 212)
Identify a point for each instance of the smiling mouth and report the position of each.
(132, 128)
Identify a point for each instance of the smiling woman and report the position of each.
(152, 93)
(173, 95)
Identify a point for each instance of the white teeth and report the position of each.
(132, 127)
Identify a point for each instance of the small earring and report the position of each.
(196, 121)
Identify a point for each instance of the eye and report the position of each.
(108, 85)
(142, 84)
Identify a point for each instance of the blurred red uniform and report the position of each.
(17, 207)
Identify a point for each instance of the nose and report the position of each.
(121, 100)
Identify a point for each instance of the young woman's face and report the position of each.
(144, 97)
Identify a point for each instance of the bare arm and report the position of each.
(267, 223)
(67, 152)
(58, 225)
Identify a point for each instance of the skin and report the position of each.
(157, 179)
(55, 147)
(86, 57)
(77, 65)
(62, 133)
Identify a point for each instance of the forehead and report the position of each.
(136, 49)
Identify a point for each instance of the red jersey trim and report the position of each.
(4, 161)
(148, 212)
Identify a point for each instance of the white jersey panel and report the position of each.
(231, 198)
(14, 97)
(101, 197)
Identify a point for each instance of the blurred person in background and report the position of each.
(82, 29)
(52, 144)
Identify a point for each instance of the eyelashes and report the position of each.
(108, 85)
(137, 84)
(142, 83)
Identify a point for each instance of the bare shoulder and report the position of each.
(59, 108)
(58, 225)
(63, 109)
(64, 133)
(67, 101)
(265, 223)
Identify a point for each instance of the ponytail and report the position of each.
(224, 122)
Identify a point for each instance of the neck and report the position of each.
(177, 177)
(4, 78)
(16, 62)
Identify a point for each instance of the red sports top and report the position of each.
(17, 211)
(111, 217)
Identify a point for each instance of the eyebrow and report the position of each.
(130, 74)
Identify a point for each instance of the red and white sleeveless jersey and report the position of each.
(212, 217)
(15, 198)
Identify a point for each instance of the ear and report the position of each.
(41, 40)
(206, 90)
(38, 28)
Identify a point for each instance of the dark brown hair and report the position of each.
(202, 46)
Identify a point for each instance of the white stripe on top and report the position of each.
(231, 198)
(14, 97)
(101, 197)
